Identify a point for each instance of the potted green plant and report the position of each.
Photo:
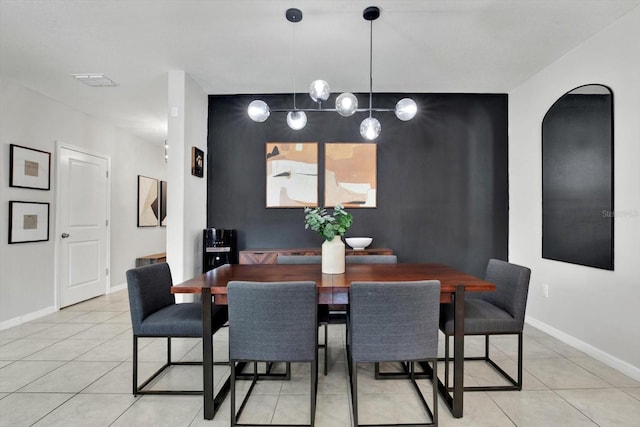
(328, 226)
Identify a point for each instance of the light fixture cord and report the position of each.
(294, 65)
(370, 67)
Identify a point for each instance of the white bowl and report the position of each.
(358, 243)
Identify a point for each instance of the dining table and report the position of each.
(333, 289)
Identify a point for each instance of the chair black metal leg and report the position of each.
(486, 346)
(232, 390)
(434, 381)
(411, 376)
(404, 374)
(515, 384)
(354, 392)
(255, 377)
(326, 346)
(446, 361)
(314, 390)
(520, 361)
(135, 365)
(458, 352)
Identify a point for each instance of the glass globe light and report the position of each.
(296, 119)
(319, 90)
(258, 111)
(346, 104)
(406, 109)
(370, 128)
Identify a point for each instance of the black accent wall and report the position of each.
(442, 177)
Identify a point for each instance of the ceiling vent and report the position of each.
(94, 79)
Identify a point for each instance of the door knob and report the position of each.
(65, 235)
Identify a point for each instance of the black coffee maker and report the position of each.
(219, 247)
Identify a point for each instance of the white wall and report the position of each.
(593, 309)
(187, 195)
(27, 270)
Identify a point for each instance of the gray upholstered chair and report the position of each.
(154, 313)
(371, 259)
(323, 309)
(299, 259)
(403, 327)
(272, 322)
(493, 313)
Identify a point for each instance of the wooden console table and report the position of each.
(270, 256)
(151, 259)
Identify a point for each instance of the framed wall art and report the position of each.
(28, 222)
(350, 175)
(163, 203)
(197, 162)
(30, 168)
(148, 203)
(292, 174)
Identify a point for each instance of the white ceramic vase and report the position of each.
(333, 256)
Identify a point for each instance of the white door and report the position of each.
(82, 208)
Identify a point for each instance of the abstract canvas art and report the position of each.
(350, 175)
(148, 202)
(163, 203)
(292, 174)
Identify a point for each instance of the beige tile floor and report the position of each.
(73, 368)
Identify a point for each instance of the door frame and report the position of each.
(58, 227)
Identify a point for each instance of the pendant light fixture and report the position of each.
(370, 127)
(296, 119)
(346, 103)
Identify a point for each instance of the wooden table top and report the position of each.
(332, 288)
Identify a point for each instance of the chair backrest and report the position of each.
(371, 259)
(272, 321)
(391, 321)
(299, 259)
(149, 290)
(512, 287)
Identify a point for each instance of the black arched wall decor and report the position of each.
(577, 178)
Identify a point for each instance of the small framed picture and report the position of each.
(197, 162)
(30, 168)
(28, 222)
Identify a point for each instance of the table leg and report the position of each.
(207, 354)
(455, 401)
(458, 352)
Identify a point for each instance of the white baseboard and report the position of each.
(117, 288)
(45, 312)
(604, 357)
(26, 318)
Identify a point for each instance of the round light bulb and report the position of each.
(346, 104)
(258, 111)
(370, 128)
(406, 109)
(296, 119)
(319, 90)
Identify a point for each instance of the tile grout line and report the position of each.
(575, 407)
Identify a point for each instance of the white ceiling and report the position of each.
(246, 46)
